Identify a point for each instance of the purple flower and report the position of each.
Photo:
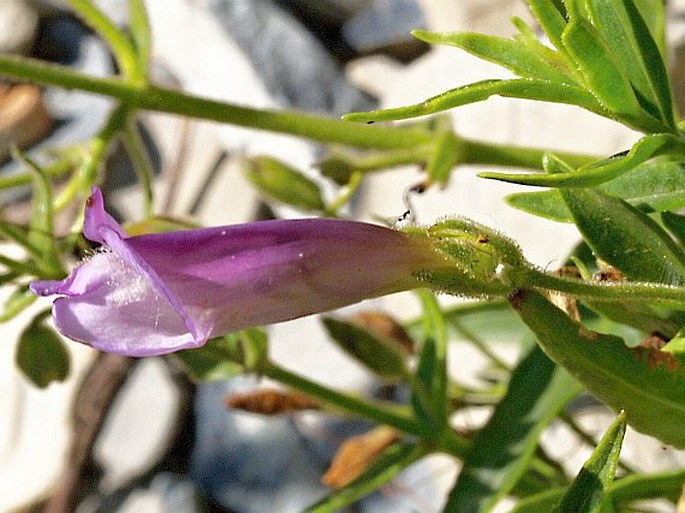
(157, 293)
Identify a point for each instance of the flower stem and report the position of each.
(622, 292)
(375, 412)
(318, 128)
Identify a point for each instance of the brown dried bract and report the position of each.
(356, 454)
(654, 341)
(272, 402)
(610, 274)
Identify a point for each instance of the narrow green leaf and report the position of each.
(394, 459)
(540, 502)
(636, 487)
(502, 450)
(41, 354)
(552, 18)
(628, 38)
(587, 491)
(667, 485)
(675, 223)
(139, 25)
(642, 381)
(603, 73)
(376, 354)
(445, 156)
(625, 237)
(429, 384)
(283, 183)
(656, 186)
(599, 172)
(653, 13)
(41, 233)
(513, 55)
(547, 204)
(558, 60)
(19, 235)
(479, 91)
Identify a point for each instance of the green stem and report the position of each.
(313, 127)
(347, 192)
(619, 291)
(54, 170)
(87, 171)
(375, 412)
(479, 153)
(141, 162)
(139, 24)
(118, 42)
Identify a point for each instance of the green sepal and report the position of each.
(480, 261)
(41, 354)
(587, 492)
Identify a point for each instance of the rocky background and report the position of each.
(171, 445)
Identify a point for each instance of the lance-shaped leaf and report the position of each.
(599, 172)
(429, 386)
(502, 450)
(629, 39)
(645, 382)
(511, 54)
(656, 186)
(587, 491)
(552, 18)
(601, 70)
(625, 237)
(374, 352)
(479, 91)
(41, 354)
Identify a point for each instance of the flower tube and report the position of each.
(157, 293)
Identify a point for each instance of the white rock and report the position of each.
(18, 26)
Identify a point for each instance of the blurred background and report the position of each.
(168, 444)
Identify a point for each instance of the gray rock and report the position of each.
(18, 26)
(385, 26)
(295, 67)
(252, 463)
(326, 11)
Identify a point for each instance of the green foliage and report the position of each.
(503, 449)
(605, 56)
(587, 492)
(41, 354)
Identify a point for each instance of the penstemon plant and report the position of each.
(201, 294)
